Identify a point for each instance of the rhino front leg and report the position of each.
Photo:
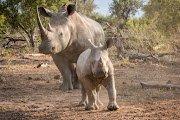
(66, 71)
(91, 93)
(84, 100)
(109, 84)
(92, 99)
(98, 100)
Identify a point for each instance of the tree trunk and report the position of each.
(120, 47)
(30, 34)
(32, 40)
(24, 38)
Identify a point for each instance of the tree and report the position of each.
(123, 9)
(21, 14)
(85, 7)
(165, 14)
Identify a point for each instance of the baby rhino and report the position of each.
(94, 69)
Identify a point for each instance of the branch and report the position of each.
(137, 56)
(2, 31)
(164, 59)
(160, 86)
(7, 36)
(10, 39)
(24, 29)
(163, 54)
(24, 38)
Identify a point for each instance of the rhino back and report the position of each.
(95, 29)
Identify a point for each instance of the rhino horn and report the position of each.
(49, 28)
(43, 31)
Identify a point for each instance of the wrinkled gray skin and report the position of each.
(94, 69)
(66, 38)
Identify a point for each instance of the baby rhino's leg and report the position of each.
(109, 84)
(92, 94)
(98, 99)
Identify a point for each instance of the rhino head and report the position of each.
(99, 59)
(58, 33)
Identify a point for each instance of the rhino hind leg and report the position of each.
(76, 83)
(84, 100)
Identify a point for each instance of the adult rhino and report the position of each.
(65, 38)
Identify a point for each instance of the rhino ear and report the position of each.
(108, 44)
(64, 7)
(71, 9)
(45, 12)
(91, 44)
(100, 45)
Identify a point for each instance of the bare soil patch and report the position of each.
(28, 92)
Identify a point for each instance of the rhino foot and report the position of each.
(113, 107)
(77, 86)
(100, 103)
(65, 87)
(92, 107)
(82, 104)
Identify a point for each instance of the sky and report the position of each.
(103, 8)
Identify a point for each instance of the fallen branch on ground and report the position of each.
(137, 56)
(163, 54)
(158, 58)
(34, 55)
(10, 39)
(160, 86)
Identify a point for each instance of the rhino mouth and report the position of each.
(51, 50)
(100, 76)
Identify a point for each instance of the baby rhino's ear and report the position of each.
(100, 45)
(91, 44)
(108, 44)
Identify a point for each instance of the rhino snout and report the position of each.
(100, 75)
(46, 50)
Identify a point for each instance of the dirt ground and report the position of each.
(28, 92)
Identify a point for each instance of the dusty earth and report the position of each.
(31, 92)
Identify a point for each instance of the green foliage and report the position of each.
(86, 7)
(123, 9)
(20, 15)
(143, 35)
(4, 52)
(24, 12)
(126, 60)
(100, 18)
(165, 14)
(3, 24)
